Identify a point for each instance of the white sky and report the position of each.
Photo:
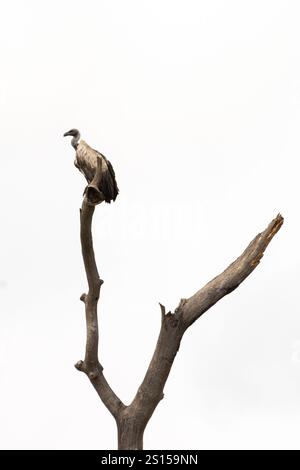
(197, 105)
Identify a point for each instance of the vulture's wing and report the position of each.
(108, 184)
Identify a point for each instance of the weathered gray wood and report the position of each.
(131, 420)
(91, 365)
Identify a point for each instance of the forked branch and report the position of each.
(132, 419)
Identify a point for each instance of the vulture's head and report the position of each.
(73, 132)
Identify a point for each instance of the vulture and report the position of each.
(86, 162)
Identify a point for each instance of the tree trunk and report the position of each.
(130, 434)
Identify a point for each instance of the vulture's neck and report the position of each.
(75, 141)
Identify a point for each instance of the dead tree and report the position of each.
(132, 419)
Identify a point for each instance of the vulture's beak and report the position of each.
(66, 133)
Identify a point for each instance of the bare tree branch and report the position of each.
(232, 277)
(174, 325)
(91, 365)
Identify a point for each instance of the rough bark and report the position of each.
(131, 420)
